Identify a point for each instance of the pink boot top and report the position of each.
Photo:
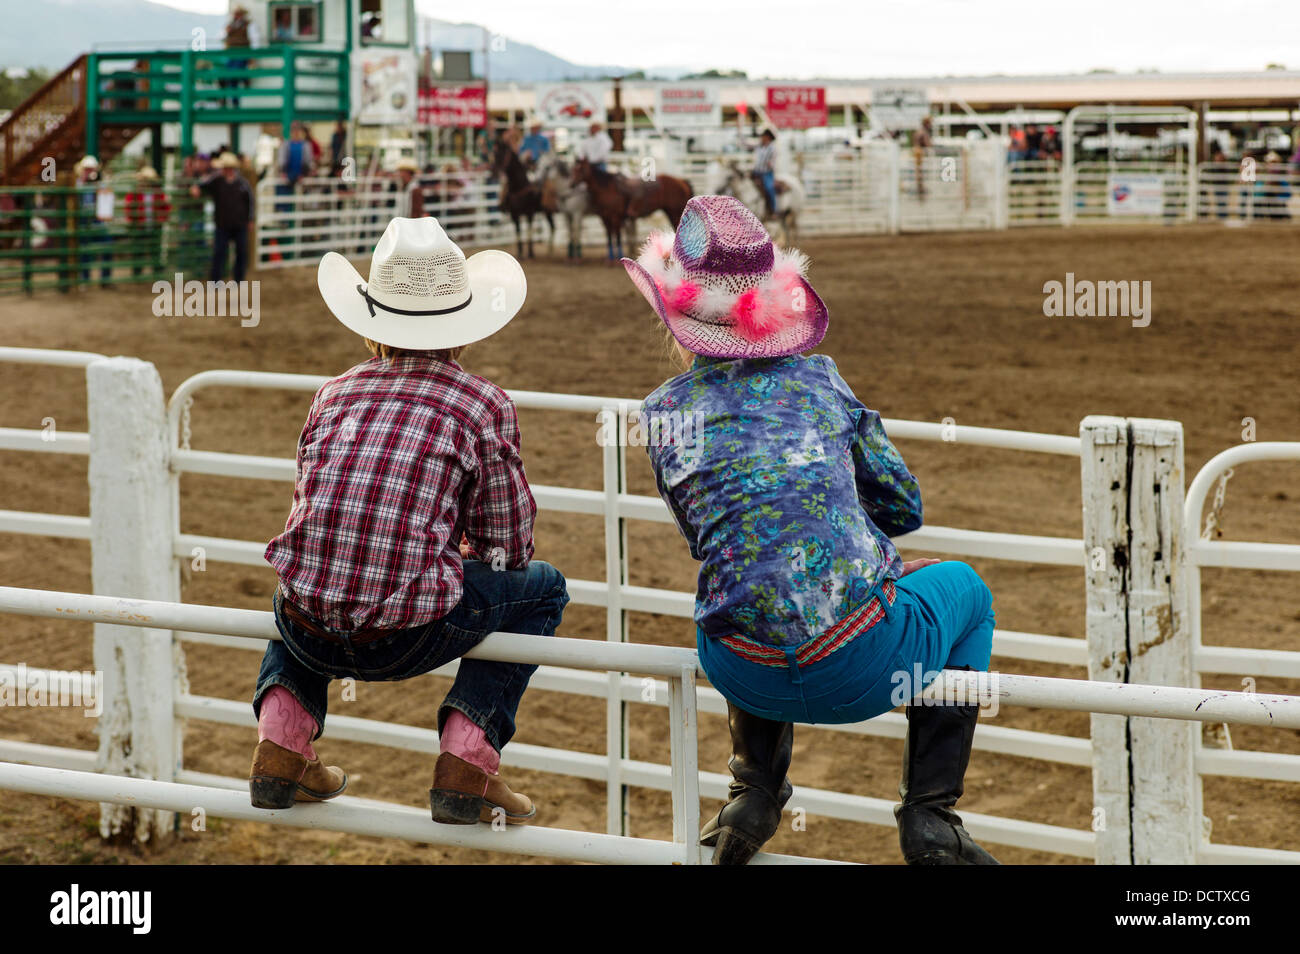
(463, 739)
(285, 722)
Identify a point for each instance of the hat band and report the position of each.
(374, 303)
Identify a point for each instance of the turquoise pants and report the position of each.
(942, 618)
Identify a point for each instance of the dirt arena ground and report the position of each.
(923, 326)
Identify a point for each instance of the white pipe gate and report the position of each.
(1133, 480)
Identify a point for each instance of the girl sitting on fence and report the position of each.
(411, 533)
(788, 490)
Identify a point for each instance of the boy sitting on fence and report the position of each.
(411, 533)
(788, 490)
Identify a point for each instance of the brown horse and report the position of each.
(609, 198)
(666, 194)
(519, 197)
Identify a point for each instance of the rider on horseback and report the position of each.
(765, 168)
(535, 145)
(597, 147)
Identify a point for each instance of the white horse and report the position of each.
(570, 199)
(790, 197)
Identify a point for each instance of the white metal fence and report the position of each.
(138, 451)
(878, 188)
(1039, 192)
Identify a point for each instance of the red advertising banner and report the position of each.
(797, 107)
(453, 106)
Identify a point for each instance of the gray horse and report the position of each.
(562, 195)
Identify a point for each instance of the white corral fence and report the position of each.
(876, 188)
(1141, 647)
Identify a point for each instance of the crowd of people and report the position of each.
(1029, 143)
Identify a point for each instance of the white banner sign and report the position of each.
(688, 104)
(899, 107)
(388, 96)
(572, 105)
(1128, 194)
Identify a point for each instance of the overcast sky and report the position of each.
(870, 38)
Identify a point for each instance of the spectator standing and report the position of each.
(315, 149)
(765, 168)
(338, 147)
(241, 33)
(410, 194)
(922, 143)
(92, 232)
(1033, 142)
(1050, 146)
(295, 155)
(147, 210)
(232, 200)
(1017, 151)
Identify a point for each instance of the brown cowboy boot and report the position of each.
(463, 794)
(761, 751)
(280, 777)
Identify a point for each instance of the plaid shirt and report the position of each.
(395, 463)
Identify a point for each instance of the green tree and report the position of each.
(718, 74)
(16, 85)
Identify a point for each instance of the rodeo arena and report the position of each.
(1068, 301)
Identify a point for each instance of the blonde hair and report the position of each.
(677, 352)
(391, 354)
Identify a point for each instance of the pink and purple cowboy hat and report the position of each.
(723, 288)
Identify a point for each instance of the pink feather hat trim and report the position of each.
(738, 296)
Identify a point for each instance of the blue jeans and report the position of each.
(221, 239)
(487, 692)
(768, 181)
(942, 618)
(96, 246)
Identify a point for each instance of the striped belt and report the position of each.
(815, 650)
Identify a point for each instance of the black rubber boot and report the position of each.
(935, 757)
(760, 758)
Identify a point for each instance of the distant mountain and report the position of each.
(52, 33)
(515, 61)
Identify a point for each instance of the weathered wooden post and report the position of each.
(131, 555)
(1146, 793)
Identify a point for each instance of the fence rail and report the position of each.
(64, 238)
(678, 665)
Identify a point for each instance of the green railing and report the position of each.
(268, 84)
(51, 237)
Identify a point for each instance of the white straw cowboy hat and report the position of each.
(423, 293)
(227, 160)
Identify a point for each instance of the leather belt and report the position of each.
(818, 648)
(357, 638)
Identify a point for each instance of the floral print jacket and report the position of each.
(786, 488)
